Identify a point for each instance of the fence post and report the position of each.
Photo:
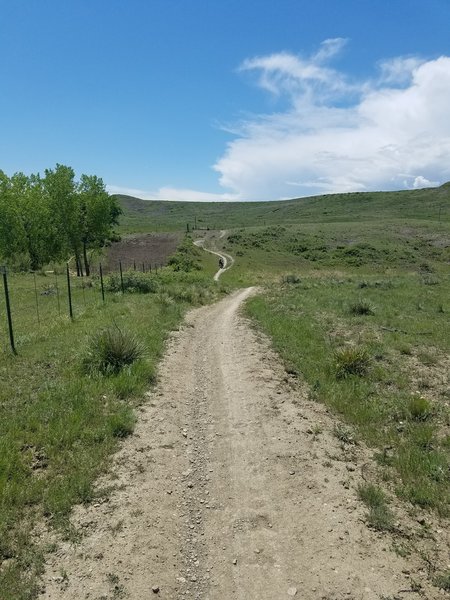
(8, 310)
(143, 268)
(69, 291)
(101, 282)
(121, 276)
(36, 296)
(134, 265)
(57, 293)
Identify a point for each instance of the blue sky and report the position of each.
(233, 99)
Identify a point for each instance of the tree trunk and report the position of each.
(86, 261)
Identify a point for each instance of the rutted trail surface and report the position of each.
(231, 487)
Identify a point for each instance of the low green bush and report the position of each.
(110, 350)
(351, 361)
(361, 307)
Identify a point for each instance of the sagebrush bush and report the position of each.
(110, 350)
(351, 361)
(361, 307)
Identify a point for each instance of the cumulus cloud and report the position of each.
(340, 135)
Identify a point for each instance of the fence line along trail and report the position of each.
(226, 489)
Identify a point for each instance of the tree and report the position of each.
(64, 202)
(99, 212)
(11, 232)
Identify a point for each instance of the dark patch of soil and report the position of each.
(138, 249)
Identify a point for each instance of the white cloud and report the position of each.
(339, 134)
(171, 193)
(342, 135)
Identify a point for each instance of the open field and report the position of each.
(150, 215)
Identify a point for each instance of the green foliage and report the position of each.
(351, 361)
(54, 217)
(110, 350)
(186, 257)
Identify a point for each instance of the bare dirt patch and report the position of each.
(148, 249)
(233, 486)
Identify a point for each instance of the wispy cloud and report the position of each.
(390, 131)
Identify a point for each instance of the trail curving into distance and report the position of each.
(227, 258)
(233, 486)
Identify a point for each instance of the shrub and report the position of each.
(351, 361)
(111, 350)
(133, 281)
(419, 408)
(362, 307)
(186, 258)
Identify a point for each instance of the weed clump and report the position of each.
(380, 516)
(362, 307)
(419, 408)
(442, 581)
(351, 361)
(111, 350)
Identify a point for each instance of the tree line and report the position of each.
(54, 218)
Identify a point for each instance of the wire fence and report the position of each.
(33, 302)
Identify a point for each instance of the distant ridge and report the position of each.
(429, 204)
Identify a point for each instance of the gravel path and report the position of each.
(233, 486)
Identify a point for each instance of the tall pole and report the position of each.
(69, 291)
(8, 310)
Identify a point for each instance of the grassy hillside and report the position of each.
(431, 204)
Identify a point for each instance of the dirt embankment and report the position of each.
(233, 486)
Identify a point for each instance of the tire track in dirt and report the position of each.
(233, 486)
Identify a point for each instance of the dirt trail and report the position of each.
(232, 487)
(228, 260)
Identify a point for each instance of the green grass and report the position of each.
(151, 215)
(316, 335)
(380, 516)
(59, 423)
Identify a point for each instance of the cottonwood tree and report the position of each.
(99, 212)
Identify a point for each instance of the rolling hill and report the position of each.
(431, 204)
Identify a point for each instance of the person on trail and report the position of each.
(221, 263)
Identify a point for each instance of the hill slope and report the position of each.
(432, 204)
